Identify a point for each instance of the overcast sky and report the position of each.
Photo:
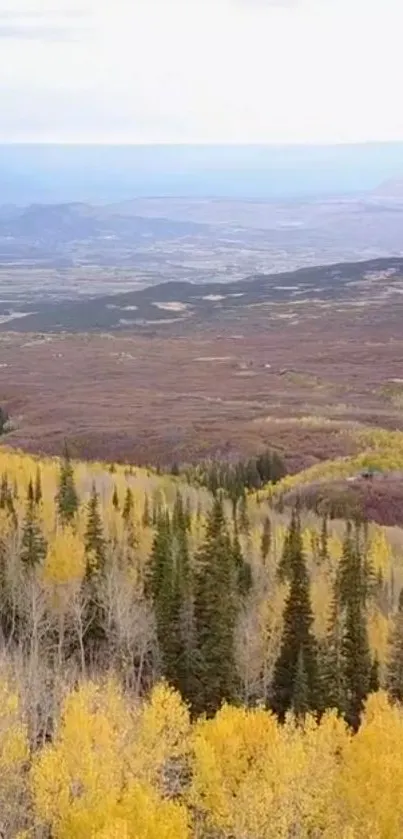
(268, 71)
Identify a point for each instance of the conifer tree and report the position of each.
(216, 608)
(265, 542)
(166, 586)
(292, 546)
(115, 499)
(178, 514)
(38, 487)
(67, 498)
(301, 694)
(347, 674)
(95, 545)
(332, 664)
(295, 679)
(324, 540)
(128, 506)
(394, 679)
(33, 544)
(356, 661)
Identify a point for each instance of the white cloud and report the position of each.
(201, 70)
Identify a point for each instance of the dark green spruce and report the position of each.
(295, 680)
(95, 544)
(33, 543)
(67, 500)
(349, 672)
(216, 605)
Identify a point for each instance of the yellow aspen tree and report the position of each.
(14, 755)
(253, 777)
(371, 782)
(102, 764)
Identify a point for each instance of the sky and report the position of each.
(200, 71)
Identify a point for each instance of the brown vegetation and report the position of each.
(227, 390)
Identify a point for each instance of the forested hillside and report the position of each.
(176, 663)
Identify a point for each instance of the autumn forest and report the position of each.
(183, 658)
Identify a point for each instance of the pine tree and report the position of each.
(128, 506)
(165, 585)
(301, 694)
(38, 487)
(265, 542)
(216, 608)
(115, 499)
(356, 660)
(292, 545)
(394, 680)
(95, 545)
(33, 544)
(178, 514)
(332, 664)
(66, 499)
(347, 673)
(296, 669)
(324, 541)
(183, 617)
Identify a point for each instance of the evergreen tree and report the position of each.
(33, 544)
(265, 542)
(66, 499)
(115, 499)
(178, 514)
(216, 608)
(301, 694)
(128, 506)
(295, 680)
(168, 586)
(394, 680)
(332, 665)
(347, 675)
(292, 545)
(38, 487)
(95, 545)
(324, 541)
(356, 661)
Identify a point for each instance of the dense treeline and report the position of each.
(236, 478)
(112, 581)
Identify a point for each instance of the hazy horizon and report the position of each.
(40, 173)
